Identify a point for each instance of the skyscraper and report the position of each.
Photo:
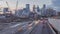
(43, 13)
(27, 7)
(44, 6)
(38, 9)
(34, 8)
(5, 10)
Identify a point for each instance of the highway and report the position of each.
(12, 28)
(31, 27)
(42, 27)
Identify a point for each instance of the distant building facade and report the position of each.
(38, 10)
(23, 12)
(19, 12)
(5, 10)
(26, 11)
(34, 8)
(43, 10)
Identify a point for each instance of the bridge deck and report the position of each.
(42, 29)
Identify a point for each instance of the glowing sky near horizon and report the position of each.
(21, 3)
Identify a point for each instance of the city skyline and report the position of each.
(21, 3)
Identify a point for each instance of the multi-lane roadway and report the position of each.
(42, 27)
(31, 27)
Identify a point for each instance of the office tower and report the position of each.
(19, 12)
(44, 6)
(51, 12)
(43, 11)
(34, 8)
(27, 7)
(38, 9)
(5, 10)
(25, 12)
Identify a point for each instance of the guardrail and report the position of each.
(29, 32)
(52, 28)
(33, 25)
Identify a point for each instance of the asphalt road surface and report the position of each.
(11, 29)
(42, 28)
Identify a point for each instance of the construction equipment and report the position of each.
(9, 7)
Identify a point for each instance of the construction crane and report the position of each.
(16, 4)
(8, 7)
(16, 7)
(7, 4)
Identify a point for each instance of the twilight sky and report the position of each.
(12, 3)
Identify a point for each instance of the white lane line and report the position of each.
(15, 25)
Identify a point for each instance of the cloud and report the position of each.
(56, 4)
(22, 3)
